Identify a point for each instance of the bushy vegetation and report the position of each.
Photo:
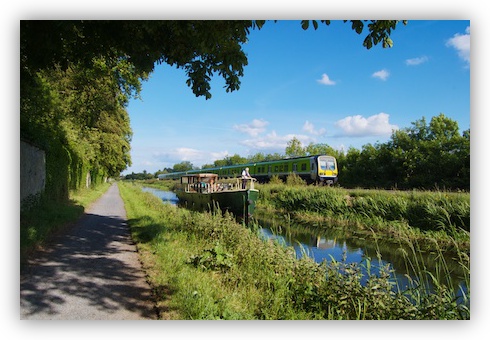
(77, 116)
(206, 266)
(427, 156)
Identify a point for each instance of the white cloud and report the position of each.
(256, 127)
(273, 142)
(195, 156)
(383, 74)
(416, 61)
(461, 42)
(310, 128)
(359, 126)
(325, 80)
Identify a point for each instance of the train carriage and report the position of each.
(320, 169)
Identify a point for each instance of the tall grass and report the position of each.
(207, 266)
(442, 215)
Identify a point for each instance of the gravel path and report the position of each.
(90, 273)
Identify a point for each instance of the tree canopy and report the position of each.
(200, 47)
(77, 77)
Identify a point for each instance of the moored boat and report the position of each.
(204, 192)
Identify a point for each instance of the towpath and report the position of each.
(90, 273)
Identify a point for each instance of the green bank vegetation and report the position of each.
(206, 266)
(418, 215)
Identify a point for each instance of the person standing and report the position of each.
(245, 177)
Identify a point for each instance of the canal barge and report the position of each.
(203, 191)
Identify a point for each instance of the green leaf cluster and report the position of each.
(201, 48)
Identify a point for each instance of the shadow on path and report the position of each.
(92, 272)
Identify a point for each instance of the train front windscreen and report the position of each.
(327, 168)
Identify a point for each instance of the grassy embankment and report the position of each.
(206, 266)
(39, 222)
(424, 217)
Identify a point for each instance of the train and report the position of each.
(318, 169)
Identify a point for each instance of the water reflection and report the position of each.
(166, 196)
(405, 264)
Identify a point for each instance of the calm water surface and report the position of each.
(166, 196)
(334, 245)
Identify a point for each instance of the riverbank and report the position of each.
(423, 217)
(206, 266)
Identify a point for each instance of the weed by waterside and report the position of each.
(207, 266)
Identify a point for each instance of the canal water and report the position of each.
(165, 196)
(404, 263)
(328, 245)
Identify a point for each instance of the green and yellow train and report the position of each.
(321, 169)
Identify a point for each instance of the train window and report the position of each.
(275, 168)
(327, 164)
(286, 167)
(303, 167)
(323, 165)
(295, 167)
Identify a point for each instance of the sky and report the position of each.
(319, 86)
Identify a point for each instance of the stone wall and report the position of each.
(32, 170)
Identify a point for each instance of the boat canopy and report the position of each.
(195, 178)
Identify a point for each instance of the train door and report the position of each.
(313, 168)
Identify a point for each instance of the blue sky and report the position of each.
(319, 86)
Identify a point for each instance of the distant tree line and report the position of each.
(424, 156)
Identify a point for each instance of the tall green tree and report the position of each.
(230, 160)
(78, 116)
(183, 166)
(295, 148)
(424, 155)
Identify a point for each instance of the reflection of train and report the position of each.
(314, 169)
